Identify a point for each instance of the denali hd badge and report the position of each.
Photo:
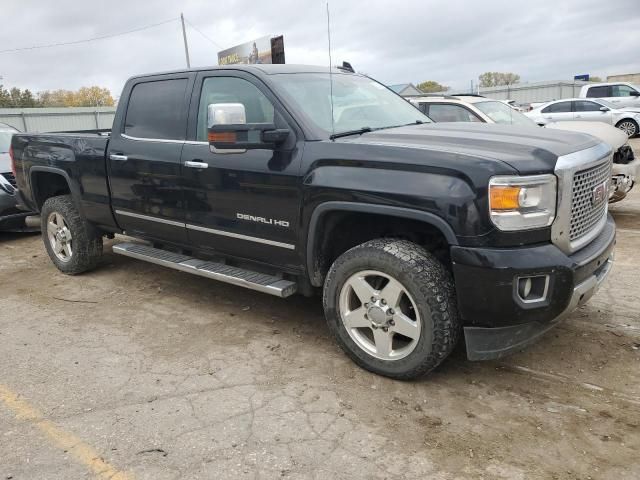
(267, 221)
(599, 193)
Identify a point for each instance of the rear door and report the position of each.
(143, 158)
(588, 111)
(557, 112)
(243, 204)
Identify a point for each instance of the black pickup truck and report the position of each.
(415, 233)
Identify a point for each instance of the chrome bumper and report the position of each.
(587, 288)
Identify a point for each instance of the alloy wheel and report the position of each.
(380, 315)
(59, 237)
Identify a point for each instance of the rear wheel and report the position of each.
(628, 126)
(72, 243)
(391, 306)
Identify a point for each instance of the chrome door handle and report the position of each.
(120, 158)
(192, 164)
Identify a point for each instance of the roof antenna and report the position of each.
(333, 128)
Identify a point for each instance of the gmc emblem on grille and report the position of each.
(599, 193)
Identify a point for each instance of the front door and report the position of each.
(243, 204)
(143, 159)
(588, 111)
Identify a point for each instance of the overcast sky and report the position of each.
(450, 41)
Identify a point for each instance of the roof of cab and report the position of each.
(266, 69)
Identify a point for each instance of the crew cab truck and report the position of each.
(285, 179)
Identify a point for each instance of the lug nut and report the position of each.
(383, 301)
(366, 305)
(374, 326)
(391, 312)
(373, 299)
(385, 329)
(392, 323)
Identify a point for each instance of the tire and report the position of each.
(428, 302)
(628, 126)
(59, 216)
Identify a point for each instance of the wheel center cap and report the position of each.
(377, 315)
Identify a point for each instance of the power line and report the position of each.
(201, 33)
(102, 37)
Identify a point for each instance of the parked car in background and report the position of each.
(11, 218)
(626, 119)
(621, 94)
(475, 108)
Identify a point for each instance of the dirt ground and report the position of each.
(134, 371)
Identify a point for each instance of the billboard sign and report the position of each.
(254, 52)
(584, 78)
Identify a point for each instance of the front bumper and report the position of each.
(496, 320)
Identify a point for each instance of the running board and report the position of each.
(215, 270)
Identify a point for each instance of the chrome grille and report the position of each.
(585, 215)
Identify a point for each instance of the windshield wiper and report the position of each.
(359, 131)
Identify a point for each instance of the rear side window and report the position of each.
(560, 107)
(451, 113)
(598, 92)
(156, 110)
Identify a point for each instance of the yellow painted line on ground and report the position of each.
(79, 450)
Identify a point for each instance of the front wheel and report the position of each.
(391, 306)
(72, 243)
(628, 126)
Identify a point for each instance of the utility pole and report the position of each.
(186, 45)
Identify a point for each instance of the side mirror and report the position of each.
(604, 109)
(229, 132)
(634, 93)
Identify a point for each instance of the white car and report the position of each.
(626, 119)
(621, 94)
(475, 108)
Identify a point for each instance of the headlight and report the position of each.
(522, 203)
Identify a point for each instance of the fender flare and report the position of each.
(400, 212)
(73, 187)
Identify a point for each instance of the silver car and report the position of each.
(626, 119)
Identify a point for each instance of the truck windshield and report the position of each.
(502, 113)
(358, 102)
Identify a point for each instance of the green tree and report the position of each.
(431, 86)
(595, 79)
(4, 98)
(495, 79)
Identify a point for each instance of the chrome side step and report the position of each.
(217, 271)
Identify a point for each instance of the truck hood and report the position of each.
(527, 149)
(5, 163)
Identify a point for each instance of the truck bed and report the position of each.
(79, 156)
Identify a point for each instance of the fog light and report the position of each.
(533, 289)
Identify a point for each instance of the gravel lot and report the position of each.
(138, 372)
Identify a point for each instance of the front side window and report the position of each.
(440, 112)
(622, 91)
(258, 108)
(156, 109)
(587, 106)
(598, 92)
(358, 101)
(560, 107)
(499, 112)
